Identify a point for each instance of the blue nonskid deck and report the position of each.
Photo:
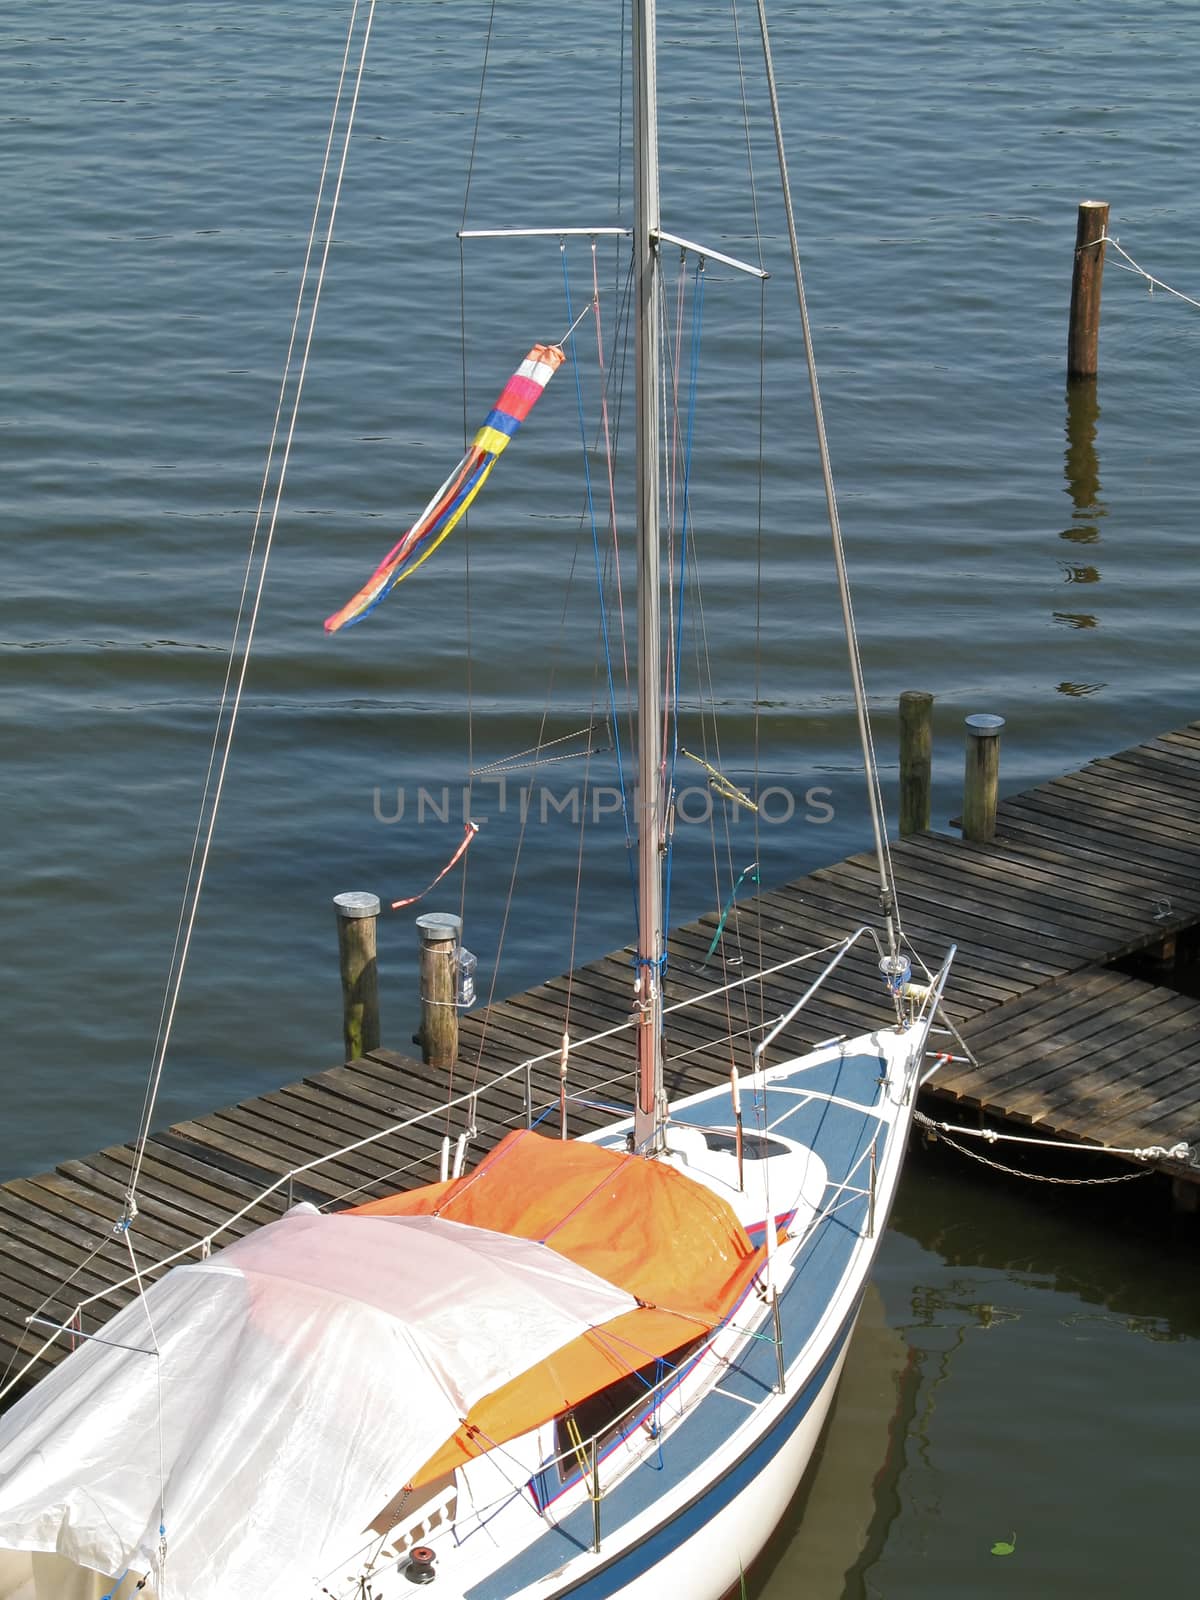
(841, 1135)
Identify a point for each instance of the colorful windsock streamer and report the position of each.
(440, 516)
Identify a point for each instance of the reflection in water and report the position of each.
(1082, 469)
(1116, 1251)
(1157, 1329)
(839, 1522)
(838, 1526)
(1075, 619)
(1082, 463)
(949, 1311)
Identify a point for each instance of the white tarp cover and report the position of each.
(305, 1373)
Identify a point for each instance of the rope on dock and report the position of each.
(1147, 1153)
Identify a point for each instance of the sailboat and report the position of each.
(588, 1367)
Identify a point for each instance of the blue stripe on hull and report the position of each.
(623, 1569)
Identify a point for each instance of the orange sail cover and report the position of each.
(665, 1239)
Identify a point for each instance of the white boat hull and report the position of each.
(713, 1561)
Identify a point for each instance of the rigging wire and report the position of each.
(678, 495)
(468, 632)
(158, 1379)
(462, 310)
(591, 515)
(704, 675)
(887, 877)
(612, 566)
(555, 659)
(612, 491)
(621, 299)
(671, 430)
(516, 761)
(689, 441)
(758, 595)
(195, 881)
(249, 567)
(587, 773)
(752, 184)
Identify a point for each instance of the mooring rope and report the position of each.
(1128, 264)
(991, 1136)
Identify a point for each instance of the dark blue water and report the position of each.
(158, 167)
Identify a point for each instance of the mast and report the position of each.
(648, 1112)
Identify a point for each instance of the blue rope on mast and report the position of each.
(693, 384)
(608, 664)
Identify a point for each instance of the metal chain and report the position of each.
(1017, 1172)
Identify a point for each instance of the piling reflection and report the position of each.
(1081, 465)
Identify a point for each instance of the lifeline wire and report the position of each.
(176, 985)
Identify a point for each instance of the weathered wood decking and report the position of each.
(1085, 870)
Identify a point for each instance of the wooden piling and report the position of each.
(440, 933)
(916, 761)
(357, 914)
(982, 777)
(1083, 335)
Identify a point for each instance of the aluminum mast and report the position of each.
(649, 1110)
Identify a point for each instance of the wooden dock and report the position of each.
(1090, 869)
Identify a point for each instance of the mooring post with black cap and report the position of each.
(982, 778)
(357, 915)
(441, 937)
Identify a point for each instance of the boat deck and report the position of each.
(834, 1108)
(1086, 870)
